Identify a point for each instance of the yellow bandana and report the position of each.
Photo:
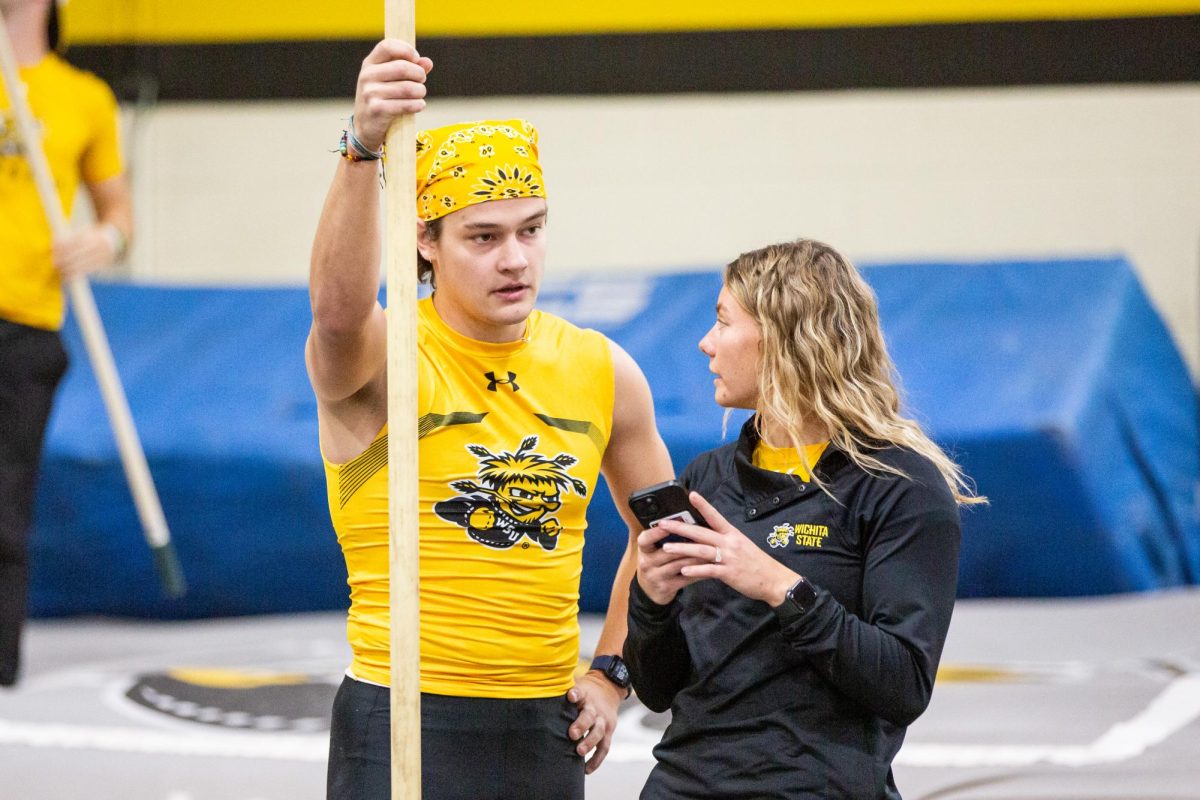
(474, 162)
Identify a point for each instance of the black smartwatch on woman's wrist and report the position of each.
(615, 670)
(801, 597)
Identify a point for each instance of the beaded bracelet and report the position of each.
(354, 150)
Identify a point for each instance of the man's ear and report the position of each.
(424, 246)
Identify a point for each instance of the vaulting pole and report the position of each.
(133, 459)
(400, 254)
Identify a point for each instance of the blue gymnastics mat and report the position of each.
(1054, 383)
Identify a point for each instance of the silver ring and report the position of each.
(717, 557)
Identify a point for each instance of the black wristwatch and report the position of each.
(801, 597)
(614, 669)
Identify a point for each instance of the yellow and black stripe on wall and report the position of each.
(222, 49)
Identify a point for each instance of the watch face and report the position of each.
(618, 672)
(802, 595)
(614, 669)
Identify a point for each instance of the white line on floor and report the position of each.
(1173, 709)
(157, 742)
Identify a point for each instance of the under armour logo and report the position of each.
(493, 381)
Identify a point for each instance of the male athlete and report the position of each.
(518, 413)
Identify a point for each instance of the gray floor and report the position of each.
(1037, 699)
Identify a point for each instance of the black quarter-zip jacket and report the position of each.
(773, 703)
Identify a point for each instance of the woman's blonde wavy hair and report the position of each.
(822, 357)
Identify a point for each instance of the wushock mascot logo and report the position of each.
(12, 161)
(516, 496)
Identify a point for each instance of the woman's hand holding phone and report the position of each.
(674, 553)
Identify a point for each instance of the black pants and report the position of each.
(472, 748)
(32, 361)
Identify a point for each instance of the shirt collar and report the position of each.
(760, 483)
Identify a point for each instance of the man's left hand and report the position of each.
(598, 699)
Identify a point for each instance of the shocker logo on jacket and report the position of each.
(516, 496)
(781, 535)
(806, 535)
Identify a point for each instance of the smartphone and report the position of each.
(667, 500)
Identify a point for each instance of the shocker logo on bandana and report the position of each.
(516, 496)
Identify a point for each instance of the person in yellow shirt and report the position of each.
(76, 113)
(519, 414)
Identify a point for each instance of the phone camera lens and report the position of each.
(646, 505)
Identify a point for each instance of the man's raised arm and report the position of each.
(347, 344)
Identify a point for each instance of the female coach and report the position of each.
(797, 636)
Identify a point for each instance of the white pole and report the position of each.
(145, 497)
(401, 258)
